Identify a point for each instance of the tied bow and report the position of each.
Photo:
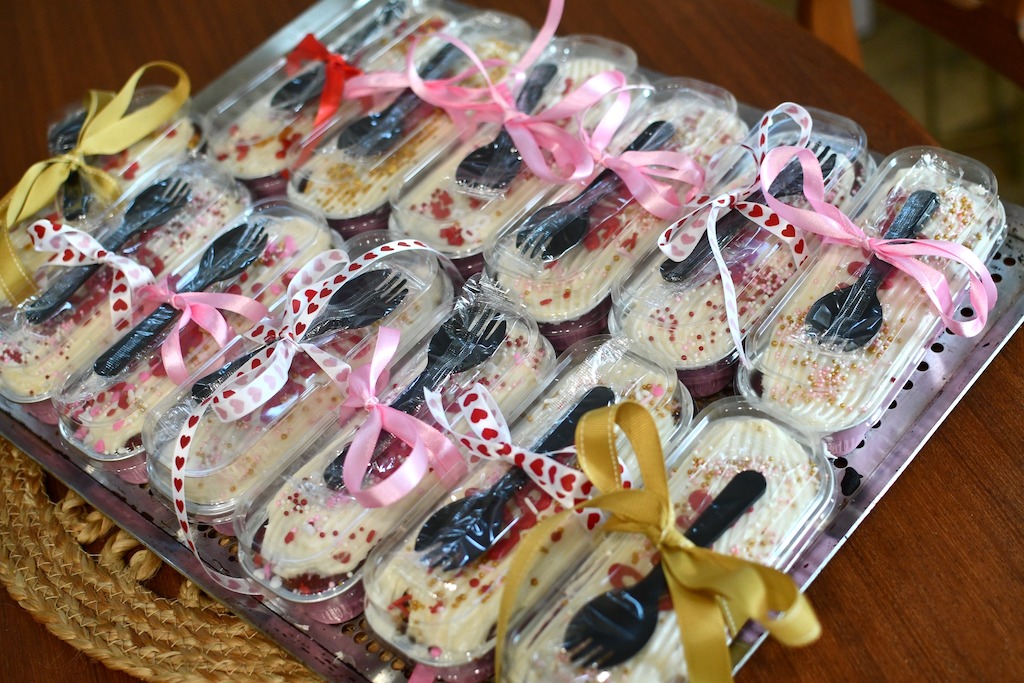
(449, 94)
(644, 173)
(203, 308)
(337, 71)
(108, 128)
(491, 439)
(700, 581)
(429, 446)
(676, 241)
(834, 226)
(72, 248)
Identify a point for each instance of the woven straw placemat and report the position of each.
(90, 584)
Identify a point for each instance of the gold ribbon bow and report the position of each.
(710, 591)
(107, 129)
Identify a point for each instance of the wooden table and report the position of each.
(928, 586)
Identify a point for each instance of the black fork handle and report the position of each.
(117, 357)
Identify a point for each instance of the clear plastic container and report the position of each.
(837, 381)
(458, 216)
(37, 356)
(255, 132)
(228, 459)
(728, 437)
(683, 315)
(445, 618)
(566, 288)
(177, 138)
(351, 184)
(102, 416)
(304, 539)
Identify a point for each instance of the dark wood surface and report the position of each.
(926, 589)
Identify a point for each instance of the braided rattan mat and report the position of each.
(89, 583)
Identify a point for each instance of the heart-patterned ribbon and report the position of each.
(108, 128)
(491, 439)
(712, 594)
(309, 292)
(677, 243)
(202, 308)
(835, 227)
(430, 448)
(73, 248)
(337, 72)
(459, 101)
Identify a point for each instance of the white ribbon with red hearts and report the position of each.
(492, 440)
(73, 248)
(676, 242)
(307, 291)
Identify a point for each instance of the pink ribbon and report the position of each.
(336, 72)
(73, 248)
(430, 448)
(677, 243)
(835, 227)
(203, 308)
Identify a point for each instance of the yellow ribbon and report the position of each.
(108, 129)
(710, 591)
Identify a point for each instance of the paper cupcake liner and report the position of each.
(564, 334)
(350, 227)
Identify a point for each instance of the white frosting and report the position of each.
(106, 421)
(446, 618)
(829, 390)
(316, 535)
(343, 186)
(228, 459)
(433, 207)
(35, 359)
(723, 449)
(621, 231)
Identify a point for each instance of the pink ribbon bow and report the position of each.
(336, 72)
(74, 248)
(430, 448)
(449, 93)
(203, 308)
(491, 439)
(834, 226)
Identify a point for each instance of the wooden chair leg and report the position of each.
(831, 21)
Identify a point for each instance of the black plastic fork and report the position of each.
(788, 183)
(614, 626)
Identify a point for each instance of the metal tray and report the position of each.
(351, 651)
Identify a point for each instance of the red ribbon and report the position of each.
(337, 71)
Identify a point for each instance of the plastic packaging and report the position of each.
(351, 172)
(36, 357)
(445, 618)
(683, 316)
(567, 292)
(457, 215)
(102, 416)
(728, 437)
(255, 133)
(228, 459)
(829, 383)
(175, 139)
(305, 539)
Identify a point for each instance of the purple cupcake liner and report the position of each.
(350, 227)
(267, 186)
(470, 265)
(136, 474)
(44, 411)
(709, 380)
(474, 672)
(564, 334)
(335, 610)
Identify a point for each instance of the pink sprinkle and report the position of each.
(118, 425)
(435, 651)
(658, 390)
(95, 411)
(100, 446)
(276, 289)
(144, 376)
